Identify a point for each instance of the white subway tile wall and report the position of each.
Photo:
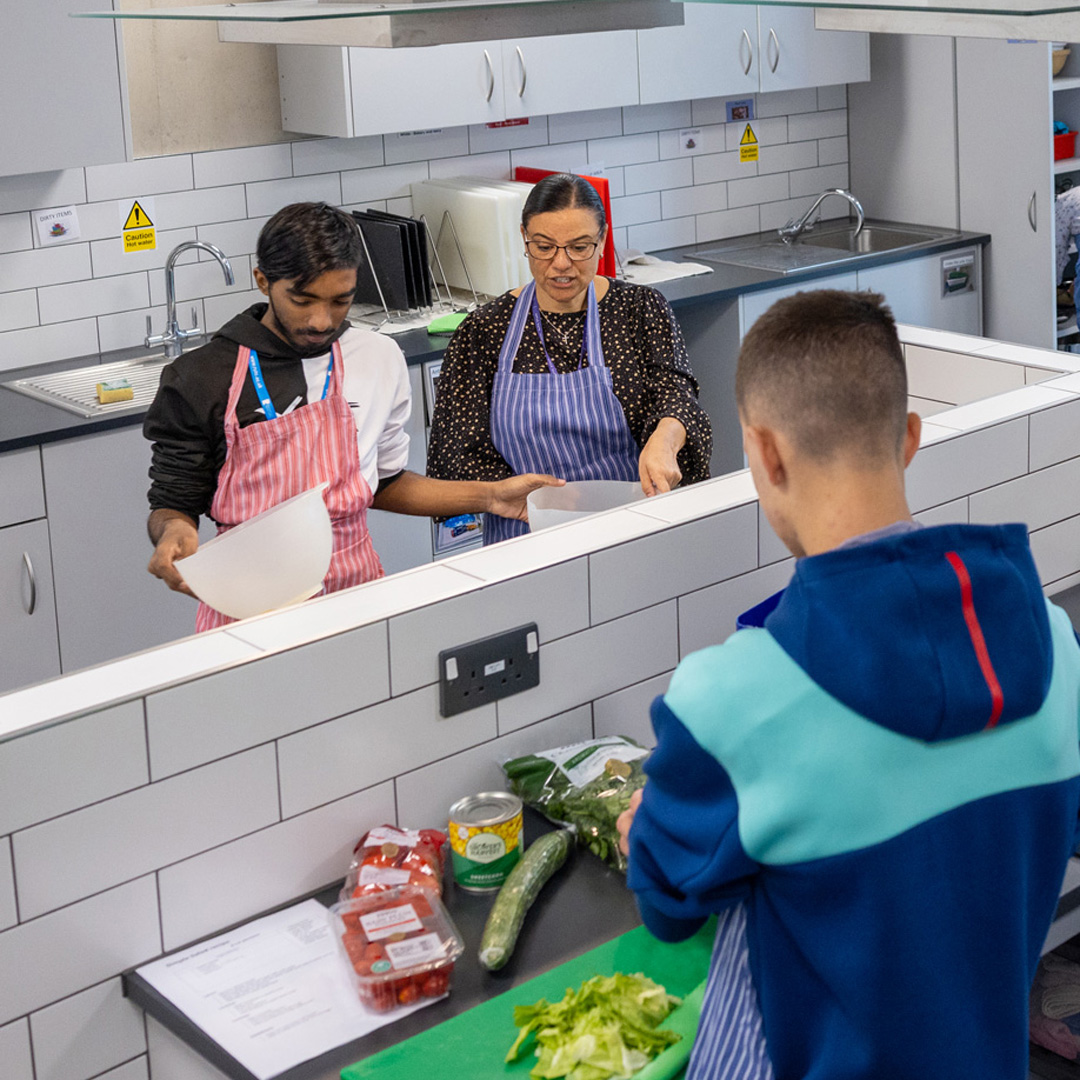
(143, 826)
(87, 1033)
(88, 295)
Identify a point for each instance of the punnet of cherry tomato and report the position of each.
(399, 943)
(387, 857)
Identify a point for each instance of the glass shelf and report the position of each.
(285, 11)
(1012, 8)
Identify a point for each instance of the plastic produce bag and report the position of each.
(388, 857)
(585, 786)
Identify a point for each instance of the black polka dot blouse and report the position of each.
(643, 347)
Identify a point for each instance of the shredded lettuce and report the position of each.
(606, 1030)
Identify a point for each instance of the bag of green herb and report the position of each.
(585, 786)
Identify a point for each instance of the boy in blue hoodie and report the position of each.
(880, 781)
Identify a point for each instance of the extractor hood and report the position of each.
(401, 23)
(1031, 20)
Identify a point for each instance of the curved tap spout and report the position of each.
(173, 338)
(794, 229)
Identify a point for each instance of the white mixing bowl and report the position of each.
(278, 558)
(557, 505)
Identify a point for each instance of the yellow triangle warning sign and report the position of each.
(748, 139)
(137, 218)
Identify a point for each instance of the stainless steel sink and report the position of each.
(76, 390)
(825, 245)
(872, 239)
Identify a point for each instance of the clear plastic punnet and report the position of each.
(399, 944)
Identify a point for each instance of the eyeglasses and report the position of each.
(545, 250)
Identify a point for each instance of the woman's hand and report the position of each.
(507, 497)
(658, 464)
(175, 537)
(626, 819)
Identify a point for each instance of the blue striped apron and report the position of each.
(569, 425)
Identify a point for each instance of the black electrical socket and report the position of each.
(494, 667)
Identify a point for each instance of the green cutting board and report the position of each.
(473, 1044)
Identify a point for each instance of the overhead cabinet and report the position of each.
(362, 91)
(60, 78)
(725, 50)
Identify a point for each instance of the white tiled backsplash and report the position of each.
(88, 295)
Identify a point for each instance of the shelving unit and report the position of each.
(1065, 98)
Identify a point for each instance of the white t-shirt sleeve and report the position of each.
(377, 390)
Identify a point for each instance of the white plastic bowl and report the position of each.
(278, 558)
(557, 505)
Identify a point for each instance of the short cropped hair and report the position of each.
(306, 240)
(563, 191)
(826, 368)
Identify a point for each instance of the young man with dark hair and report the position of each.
(877, 784)
(287, 395)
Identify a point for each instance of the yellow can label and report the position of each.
(483, 855)
(508, 834)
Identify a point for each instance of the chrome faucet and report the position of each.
(794, 229)
(173, 338)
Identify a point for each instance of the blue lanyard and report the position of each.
(540, 330)
(260, 386)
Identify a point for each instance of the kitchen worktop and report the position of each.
(584, 905)
(25, 421)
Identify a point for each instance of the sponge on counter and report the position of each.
(119, 390)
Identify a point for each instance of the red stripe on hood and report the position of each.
(978, 642)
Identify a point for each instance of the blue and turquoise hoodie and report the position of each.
(887, 773)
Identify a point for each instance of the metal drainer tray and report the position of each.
(76, 390)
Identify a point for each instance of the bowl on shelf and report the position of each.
(1059, 56)
(275, 559)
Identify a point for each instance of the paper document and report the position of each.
(273, 993)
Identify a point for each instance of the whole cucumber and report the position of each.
(542, 858)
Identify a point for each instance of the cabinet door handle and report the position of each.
(33, 583)
(776, 52)
(491, 75)
(1033, 212)
(524, 73)
(749, 52)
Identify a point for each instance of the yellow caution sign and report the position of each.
(139, 232)
(748, 145)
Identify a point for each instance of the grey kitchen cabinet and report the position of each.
(915, 291)
(28, 642)
(347, 92)
(327, 90)
(1005, 156)
(107, 604)
(61, 79)
(793, 54)
(724, 50)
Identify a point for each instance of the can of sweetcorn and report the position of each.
(485, 839)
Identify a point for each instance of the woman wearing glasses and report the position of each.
(574, 374)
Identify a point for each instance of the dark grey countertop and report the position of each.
(24, 421)
(585, 904)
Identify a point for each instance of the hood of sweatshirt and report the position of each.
(936, 633)
(247, 329)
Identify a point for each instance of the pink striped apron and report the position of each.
(272, 460)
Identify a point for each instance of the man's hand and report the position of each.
(507, 497)
(626, 819)
(175, 536)
(658, 464)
